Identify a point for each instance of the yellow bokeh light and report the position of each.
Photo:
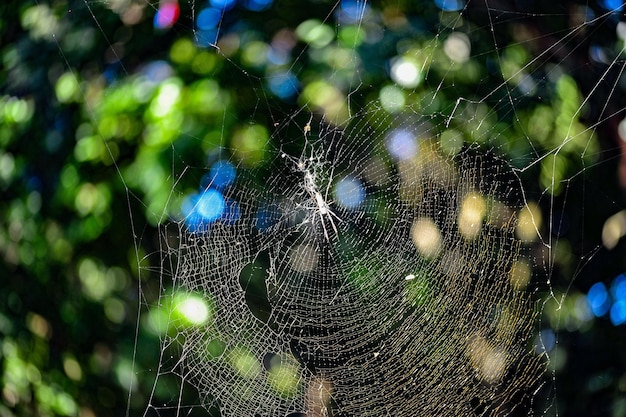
(426, 237)
(488, 360)
(471, 215)
(614, 229)
(72, 368)
(520, 274)
(327, 98)
(457, 47)
(529, 222)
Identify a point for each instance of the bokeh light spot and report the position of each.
(620, 30)
(284, 377)
(614, 229)
(244, 363)
(158, 71)
(182, 51)
(426, 237)
(350, 192)
(72, 368)
(194, 310)
(470, 220)
(457, 47)
(16, 110)
(451, 141)
(351, 36)
(612, 5)
(547, 339)
(353, 10)
(67, 88)
(618, 287)
(166, 99)
(284, 85)
(329, 99)
(200, 210)
(223, 4)
(249, 144)
(392, 98)
(167, 15)
(618, 313)
(449, 5)
(208, 18)
(315, 33)
(211, 205)
(40, 20)
(520, 274)
(257, 5)
(598, 299)
(529, 222)
(402, 144)
(221, 175)
(405, 73)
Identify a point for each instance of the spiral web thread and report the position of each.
(414, 306)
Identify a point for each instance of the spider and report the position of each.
(321, 207)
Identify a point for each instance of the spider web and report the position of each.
(345, 250)
(340, 311)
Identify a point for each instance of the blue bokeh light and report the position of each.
(208, 18)
(350, 192)
(257, 5)
(196, 223)
(221, 175)
(612, 5)
(402, 144)
(206, 38)
(353, 10)
(211, 205)
(223, 4)
(598, 54)
(278, 56)
(449, 5)
(598, 299)
(548, 340)
(202, 209)
(618, 287)
(157, 71)
(618, 313)
(193, 219)
(284, 85)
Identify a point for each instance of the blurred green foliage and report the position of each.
(101, 114)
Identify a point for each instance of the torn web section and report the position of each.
(367, 271)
